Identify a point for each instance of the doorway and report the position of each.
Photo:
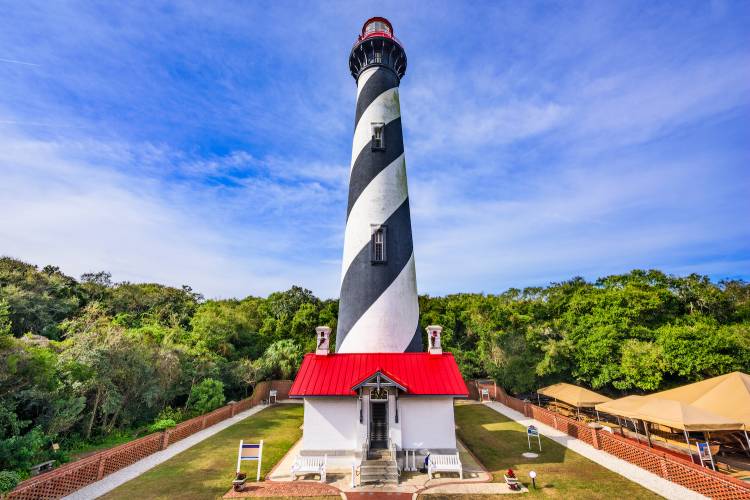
(379, 425)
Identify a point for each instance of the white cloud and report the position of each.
(87, 216)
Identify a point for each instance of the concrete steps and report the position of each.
(379, 468)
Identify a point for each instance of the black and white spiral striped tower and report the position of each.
(378, 309)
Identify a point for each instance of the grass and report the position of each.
(206, 470)
(561, 473)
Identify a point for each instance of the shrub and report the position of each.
(8, 481)
(206, 396)
(169, 413)
(162, 425)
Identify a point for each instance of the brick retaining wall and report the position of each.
(683, 472)
(73, 476)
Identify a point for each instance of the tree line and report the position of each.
(86, 362)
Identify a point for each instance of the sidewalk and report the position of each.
(646, 479)
(108, 483)
(409, 482)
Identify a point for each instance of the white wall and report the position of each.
(427, 422)
(330, 424)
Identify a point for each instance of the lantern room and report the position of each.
(377, 46)
(377, 25)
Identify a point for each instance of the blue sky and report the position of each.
(207, 143)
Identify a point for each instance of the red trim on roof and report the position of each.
(422, 374)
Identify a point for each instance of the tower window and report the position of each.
(378, 247)
(378, 136)
(377, 57)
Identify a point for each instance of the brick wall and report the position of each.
(471, 385)
(75, 475)
(484, 384)
(683, 472)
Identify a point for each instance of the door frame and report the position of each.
(385, 404)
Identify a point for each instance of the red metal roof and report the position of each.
(420, 373)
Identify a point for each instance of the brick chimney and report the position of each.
(433, 339)
(324, 337)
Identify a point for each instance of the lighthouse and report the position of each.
(378, 308)
(379, 402)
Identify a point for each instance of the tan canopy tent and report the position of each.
(683, 416)
(623, 407)
(573, 395)
(726, 395)
(717, 404)
(674, 414)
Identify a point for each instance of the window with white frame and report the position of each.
(378, 136)
(378, 250)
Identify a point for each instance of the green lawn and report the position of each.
(498, 443)
(206, 470)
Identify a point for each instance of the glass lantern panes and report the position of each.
(377, 26)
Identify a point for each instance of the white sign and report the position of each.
(533, 431)
(250, 451)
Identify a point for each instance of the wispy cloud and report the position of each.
(13, 61)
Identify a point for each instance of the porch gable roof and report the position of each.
(417, 374)
(389, 380)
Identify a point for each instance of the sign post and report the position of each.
(704, 453)
(250, 451)
(533, 431)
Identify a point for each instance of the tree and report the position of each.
(642, 367)
(225, 327)
(5, 323)
(38, 301)
(20, 447)
(281, 360)
(700, 348)
(247, 372)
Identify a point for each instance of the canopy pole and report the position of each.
(619, 424)
(648, 435)
(746, 439)
(635, 426)
(597, 414)
(687, 440)
(538, 399)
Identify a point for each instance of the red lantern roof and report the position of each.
(419, 373)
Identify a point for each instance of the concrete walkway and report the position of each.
(108, 483)
(643, 477)
(409, 482)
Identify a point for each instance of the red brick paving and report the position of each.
(377, 495)
(283, 489)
